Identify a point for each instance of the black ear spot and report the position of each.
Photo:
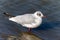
(38, 14)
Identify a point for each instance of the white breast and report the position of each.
(34, 25)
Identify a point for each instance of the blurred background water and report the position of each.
(50, 28)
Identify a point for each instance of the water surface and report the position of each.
(50, 28)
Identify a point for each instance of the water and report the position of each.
(50, 28)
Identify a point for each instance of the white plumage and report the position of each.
(28, 20)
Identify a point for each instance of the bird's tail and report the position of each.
(8, 15)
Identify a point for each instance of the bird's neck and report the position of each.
(38, 19)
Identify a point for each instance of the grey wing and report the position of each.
(25, 19)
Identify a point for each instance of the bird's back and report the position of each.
(25, 19)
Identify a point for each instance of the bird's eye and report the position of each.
(38, 14)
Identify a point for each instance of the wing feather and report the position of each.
(25, 19)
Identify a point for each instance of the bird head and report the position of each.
(39, 14)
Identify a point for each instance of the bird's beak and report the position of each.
(44, 16)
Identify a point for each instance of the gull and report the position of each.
(27, 20)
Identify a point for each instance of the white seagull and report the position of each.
(27, 20)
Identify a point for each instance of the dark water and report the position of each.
(50, 28)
